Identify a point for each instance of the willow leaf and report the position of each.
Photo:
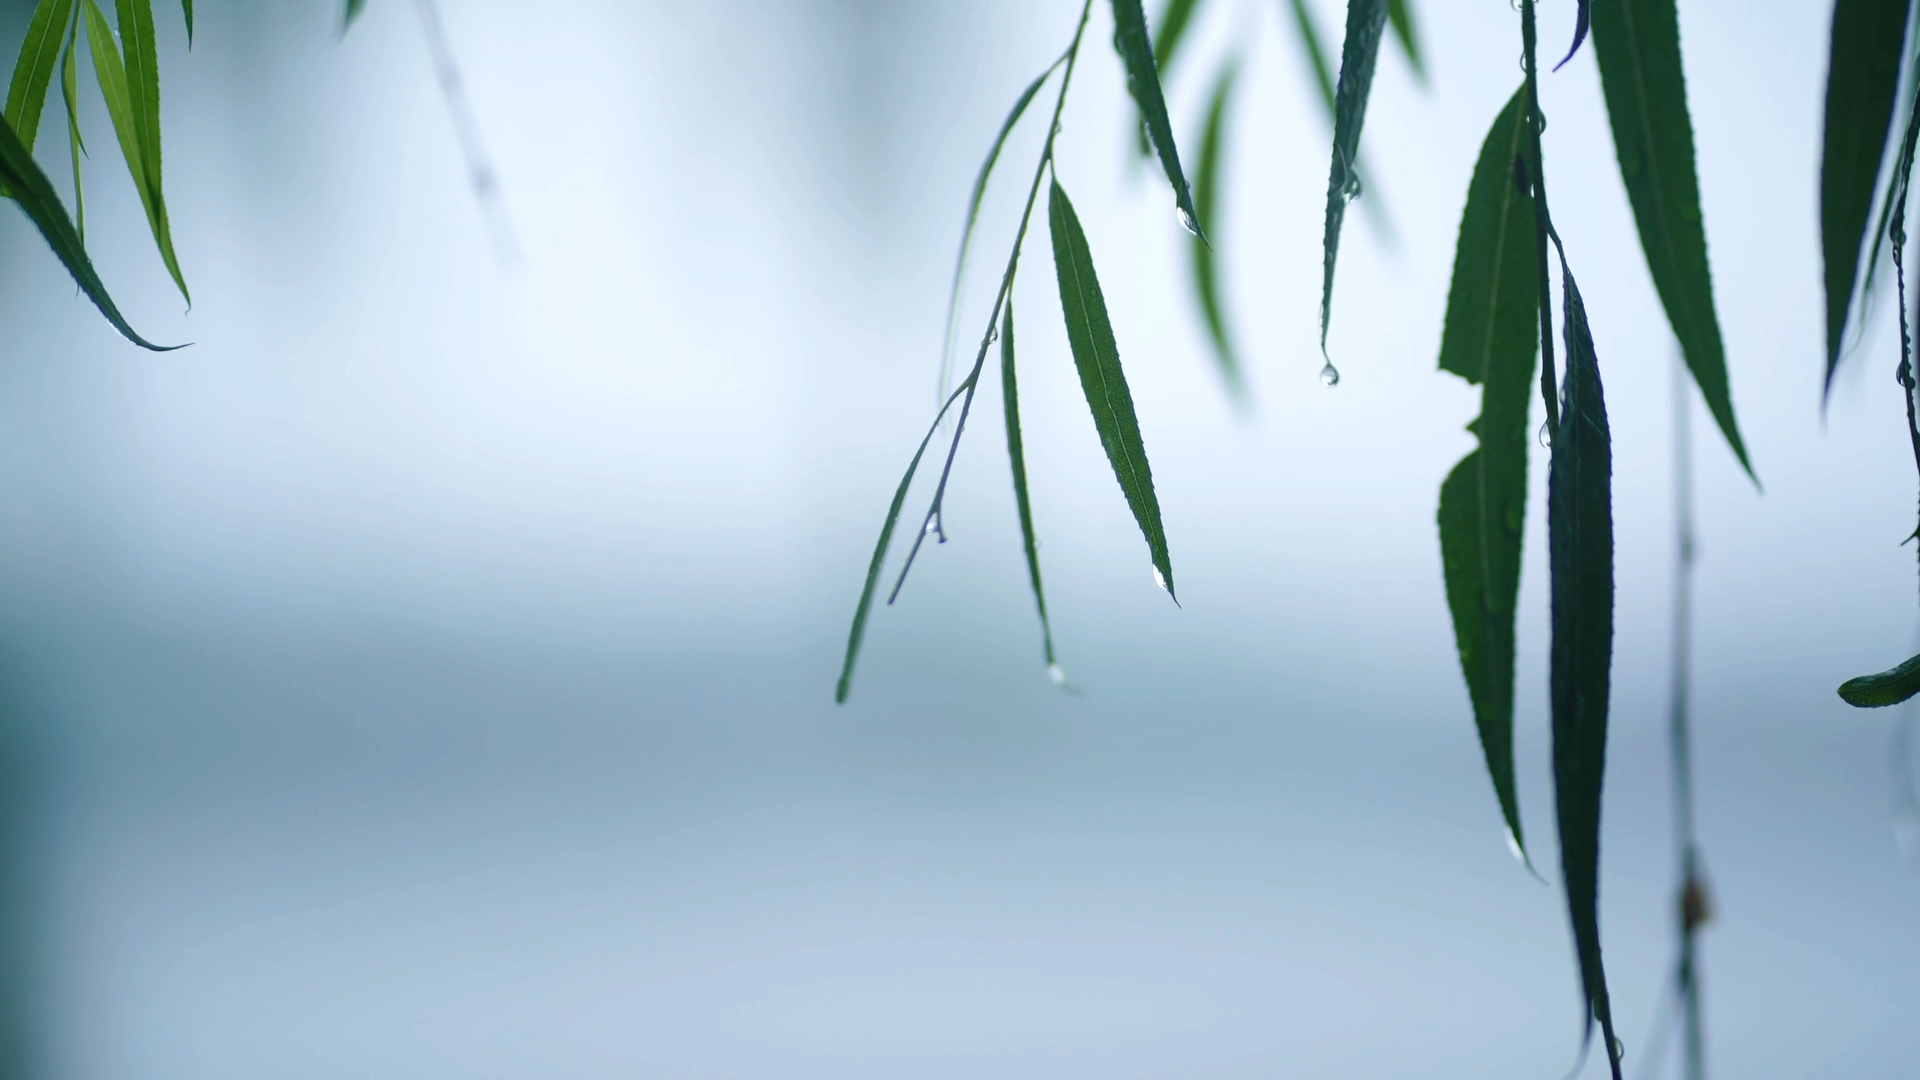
(354, 7)
(1489, 340)
(1172, 31)
(187, 6)
(1205, 271)
(1365, 20)
(1400, 16)
(1890, 687)
(973, 216)
(1580, 550)
(70, 93)
(1581, 18)
(1143, 82)
(865, 607)
(1863, 70)
(1637, 44)
(130, 85)
(33, 71)
(34, 193)
(1017, 458)
(1097, 356)
(1316, 53)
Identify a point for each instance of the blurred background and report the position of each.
(429, 672)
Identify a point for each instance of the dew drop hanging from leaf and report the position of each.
(1329, 375)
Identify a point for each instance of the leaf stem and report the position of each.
(1536, 178)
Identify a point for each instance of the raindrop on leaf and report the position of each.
(1546, 435)
(1058, 674)
(1186, 220)
(1159, 579)
(1329, 375)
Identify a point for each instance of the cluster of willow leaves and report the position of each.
(1500, 316)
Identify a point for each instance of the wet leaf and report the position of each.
(1097, 356)
(1400, 16)
(34, 193)
(1490, 340)
(33, 71)
(131, 86)
(1863, 70)
(1143, 82)
(1017, 458)
(973, 215)
(1365, 21)
(1580, 549)
(1637, 44)
(1580, 20)
(1205, 271)
(1890, 687)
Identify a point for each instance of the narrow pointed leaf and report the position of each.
(1581, 19)
(76, 147)
(1206, 186)
(1890, 687)
(1637, 44)
(1863, 70)
(1143, 82)
(1171, 31)
(1400, 16)
(872, 585)
(34, 193)
(1097, 356)
(1490, 339)
(187, 6)
(143, 99)
(1316, 52)
(1580, 549)
(1017, 458)
(354, 7)
(973, 215)
(1365, 21)
(33, 71)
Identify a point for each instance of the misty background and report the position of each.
(428, 673)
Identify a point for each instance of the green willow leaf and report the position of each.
(1173, 30)
(865, 607)
(1490, 340)
(354, 7)
(1863, 70)
(1017, 458)
(1400, 16)
(973, 216)
(1097, 356)
(70, 93)
(1206, 186)
(1316, 53)
(1890, 687)
(1365, 21)
(35, 195)
(33, 71)
(1637, 43)
(131, 87)
(1580, 550)
(1143, 82)
(187, 6)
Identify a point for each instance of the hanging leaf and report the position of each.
(1580, 549)
(76, 147)
(1489, 340)
(1863, 69)
(1400, 16)
(1580, 19)
(1097, 356)
(1017, 457)
(131, 87)
(34, 193)
(1316, 53)
(1205, 276)
(865, 607)
(1143, 82)
(33, 71)
(187, 6)
(1365, 20)
(973, 215)
(1637, 43)
(354, 7)
(1890, 687)
(1172, 31)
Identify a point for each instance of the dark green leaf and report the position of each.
(973, 215)
(1400, 14)
(354, 7)
(1489, 340)
(1097, 356)
(1365, 20)
(1637, 43)
(70, 92)
(879, 562)
(1580, 20)
(1316, 53)
(32, 190)
(1580, 550)
(1172, 30)
(1890, 687)
(1143, 81)
(1017, 457)
(33, 72)
(1205, 188)
(1863, 69)
(187, 6)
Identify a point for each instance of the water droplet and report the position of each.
(1186, 220)
(933, 526)
(1351, 188)
(1541, 117)
(1513, 848)
(1546, 435)
(1329, 375)
(993, 334)
(1159, 579)
(1058, 674)
(1619, 1049)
